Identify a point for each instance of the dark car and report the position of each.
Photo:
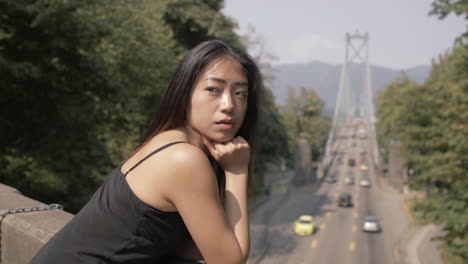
(331, 179)
(345, 200)
(351, 162)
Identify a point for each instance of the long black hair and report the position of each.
(172, 111)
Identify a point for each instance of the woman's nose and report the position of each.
(226, 102)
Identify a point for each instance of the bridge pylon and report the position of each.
(354, 102)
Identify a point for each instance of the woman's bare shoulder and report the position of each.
(185, 159)
(185, 154)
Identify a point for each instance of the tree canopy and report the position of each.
(302, 115)
(431, 122)
(81, 81)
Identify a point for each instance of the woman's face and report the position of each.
(219, 100)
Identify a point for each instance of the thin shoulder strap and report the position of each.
(152, 153)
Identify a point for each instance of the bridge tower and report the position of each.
(353, 102)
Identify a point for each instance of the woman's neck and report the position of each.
(193, 137)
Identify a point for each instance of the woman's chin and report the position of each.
(221, 139)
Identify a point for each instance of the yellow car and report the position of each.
(363, 167)
(304, 225)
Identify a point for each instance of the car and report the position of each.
(304, 225)
(345, 200)
(331, 179)
(339, 160)
(364, 182)
(349, 180)
(371, 224)
(351, 162)
(363, 167)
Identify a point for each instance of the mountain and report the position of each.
(325, 78)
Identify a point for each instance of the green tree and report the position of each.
(442, 8)
(272, 132)
(391, 103)
(194, 21)
(302, 115)
(441, 152)
(78, 78)
(81, 80)
(431, 122)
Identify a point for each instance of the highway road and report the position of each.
(339, 238)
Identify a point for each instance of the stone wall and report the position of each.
(397, 166)
(23, 234)
(302, 163)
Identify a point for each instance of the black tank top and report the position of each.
(115, 226)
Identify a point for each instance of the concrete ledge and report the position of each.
(24, 234)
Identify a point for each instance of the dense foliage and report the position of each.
(303, 117)
(431, 120)
(80, 81)
(273, 136)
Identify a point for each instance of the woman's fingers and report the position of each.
(235, 141)
(243, 142)
(226, 147)
(232, 155)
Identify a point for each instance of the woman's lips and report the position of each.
(225, 125)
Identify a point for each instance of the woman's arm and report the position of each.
(234, 157)
(236, 209)
(220, 232)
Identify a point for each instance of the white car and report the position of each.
(364, 183)
(349, 180)
(371, 224)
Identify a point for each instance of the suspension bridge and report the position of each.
(354, 110)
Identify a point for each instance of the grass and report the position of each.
(415, 217)
(448, 258)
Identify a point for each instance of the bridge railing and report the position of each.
(22, 234)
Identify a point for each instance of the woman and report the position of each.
(187, 181)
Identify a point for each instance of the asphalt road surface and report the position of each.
(339, 238)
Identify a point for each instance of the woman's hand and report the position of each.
(233, 156)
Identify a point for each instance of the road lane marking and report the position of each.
(322, 226)
(352, 246)
(314, 244)
(357, 204)
(356, 215)
(328, 213)
(354, 228)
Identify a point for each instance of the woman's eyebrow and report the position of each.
(241, 84)
(224, 81)
(216, 79)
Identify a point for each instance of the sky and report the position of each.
(402, 34)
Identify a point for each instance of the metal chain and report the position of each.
(25, 210)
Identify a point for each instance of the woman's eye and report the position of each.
(212, 89)
(242, 93)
